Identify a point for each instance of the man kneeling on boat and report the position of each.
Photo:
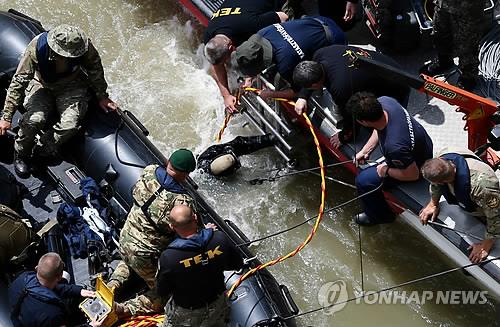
(191, 271)
(146, 232)
(404, 143)
(55, 71)
(464, 179)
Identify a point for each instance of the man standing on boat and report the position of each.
(404, 143)
(457, 28)
(56, 70)
(191, 271)
(146, 232)
(464, 179)
(232, 24)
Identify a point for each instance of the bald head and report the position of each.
(182, 219)
(50, 267)
(217, 49)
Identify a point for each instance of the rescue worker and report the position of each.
(146, 232)
(15, 237)
(191, 271)
(404, 143)
(55, 71)
(36, 298)
(463, 179)
(287, 44)
(331, 67)
(222, 159)
(232, 24)
(457, 29)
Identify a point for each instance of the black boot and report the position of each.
(437, 66)
(20, 166)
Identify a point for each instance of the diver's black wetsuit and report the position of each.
(241, 145)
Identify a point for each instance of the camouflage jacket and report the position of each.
(15, 236)
(28, 70)
(138, 236)
(485, 193)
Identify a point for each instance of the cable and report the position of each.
(272, 179)
(413, 281)
(455, 230)
(315, 227)
(311, 218)
(361, 260)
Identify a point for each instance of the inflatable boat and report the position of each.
(455, 230)
(113, 148)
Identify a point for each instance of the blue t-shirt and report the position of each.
(403, 140)
(297, 40)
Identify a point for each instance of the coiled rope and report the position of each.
(144, 321)
(318, 219)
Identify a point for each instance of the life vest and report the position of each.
(30, 286)
(47, 67)
(461, 184)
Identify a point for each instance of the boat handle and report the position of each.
(237, 230)
(137, 123)
(492, 4)
(294, 309)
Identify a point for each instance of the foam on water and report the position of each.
(154, 66)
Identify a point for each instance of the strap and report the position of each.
(145, 210)
(16, 310)
(328, 31)
(48, 226)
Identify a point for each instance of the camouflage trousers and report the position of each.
(69, 101)
(459, 34)
(215, 314)
(145, 267)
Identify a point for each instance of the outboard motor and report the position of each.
(16, 31)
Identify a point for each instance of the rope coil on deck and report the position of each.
(144, 321)
(318, 219)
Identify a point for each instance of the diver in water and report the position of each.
(222, 159)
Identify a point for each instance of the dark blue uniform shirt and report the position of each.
(41, 306)
(240, 19)
(297, 40)
(403, 140)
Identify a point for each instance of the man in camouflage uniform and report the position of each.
(457, 28)
(463, 179)
(55, 72)
(146, 232)
(15, 236)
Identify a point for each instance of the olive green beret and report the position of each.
(183, 160)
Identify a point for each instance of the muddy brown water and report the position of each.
(151, 54)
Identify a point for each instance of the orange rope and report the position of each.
(221, 131)
(144, 321)
(316, 224)
(218, 138)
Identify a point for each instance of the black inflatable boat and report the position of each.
(112, 149)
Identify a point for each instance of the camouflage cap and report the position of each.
(68, 41)
(183, 160)
(254, 55)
